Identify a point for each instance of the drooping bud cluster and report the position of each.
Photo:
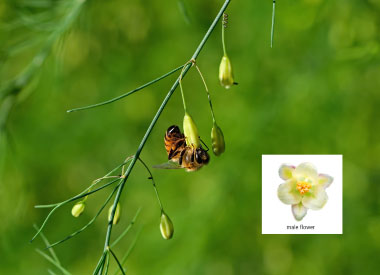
(226, 77)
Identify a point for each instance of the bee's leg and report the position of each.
(171, 154)
(204, 144)
(181, 157)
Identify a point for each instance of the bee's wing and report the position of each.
(168, 165)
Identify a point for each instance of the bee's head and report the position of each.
(201, 156)
(173, 130)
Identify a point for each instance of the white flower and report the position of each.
(303, 188)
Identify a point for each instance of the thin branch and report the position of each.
(224, 26)
(126, 94)
(51, 272)
(51, 250)
(129, 251)
(95, 182)
(65, 202)
(83, 194)
(100, 263)
(89, 223)
(272, 29)
(107, 264)
(127, 229)
(117, 260)
(154, 184)
(78, 196)
(156, 117)
(50, 259)
(208, 93)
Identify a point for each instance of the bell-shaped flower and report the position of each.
(217, 138)
(303, 188)
(166, 226)
(191, 131)
(226, 77)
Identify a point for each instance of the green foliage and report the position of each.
(315, 91)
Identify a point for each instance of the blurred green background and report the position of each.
(315, 92)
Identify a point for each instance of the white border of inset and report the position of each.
(277, 216)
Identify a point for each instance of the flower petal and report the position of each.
(299, 211)
(306, 170)
(288, 193)
(286, 171)
(325, 180)
(316, 198)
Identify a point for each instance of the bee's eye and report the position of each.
(198, 156)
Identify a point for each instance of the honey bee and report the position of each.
(181, 155)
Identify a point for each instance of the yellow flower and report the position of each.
(226, 77)
(303, 188)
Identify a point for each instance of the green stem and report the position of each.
(88, 224)
(154, 185)
(223, 42)
(125, 257)
(65, 202)
(180, 85)
(156, 117)
(126, 94)
(51, 250)
(86, 191)
(50, 259)
(78, 196)
(81, 195)
(127, 229)
(272, 29)
(100, 263)
(208, 94)
(117, 261)
(107, 264)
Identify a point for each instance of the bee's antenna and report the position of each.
(204, 144)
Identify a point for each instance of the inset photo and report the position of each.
(302, 194)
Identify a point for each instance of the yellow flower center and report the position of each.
(303, 187)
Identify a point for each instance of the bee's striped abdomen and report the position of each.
(174, 142)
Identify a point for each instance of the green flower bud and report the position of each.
(226, 77)
(116, 218)
(166, 227)
(217, 138)
(191, 132)
(78, 209)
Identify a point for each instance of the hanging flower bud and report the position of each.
(116, 217)
(166, 227)
(225, 73)
(191, 132)
(78, 209)
(217, 139)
